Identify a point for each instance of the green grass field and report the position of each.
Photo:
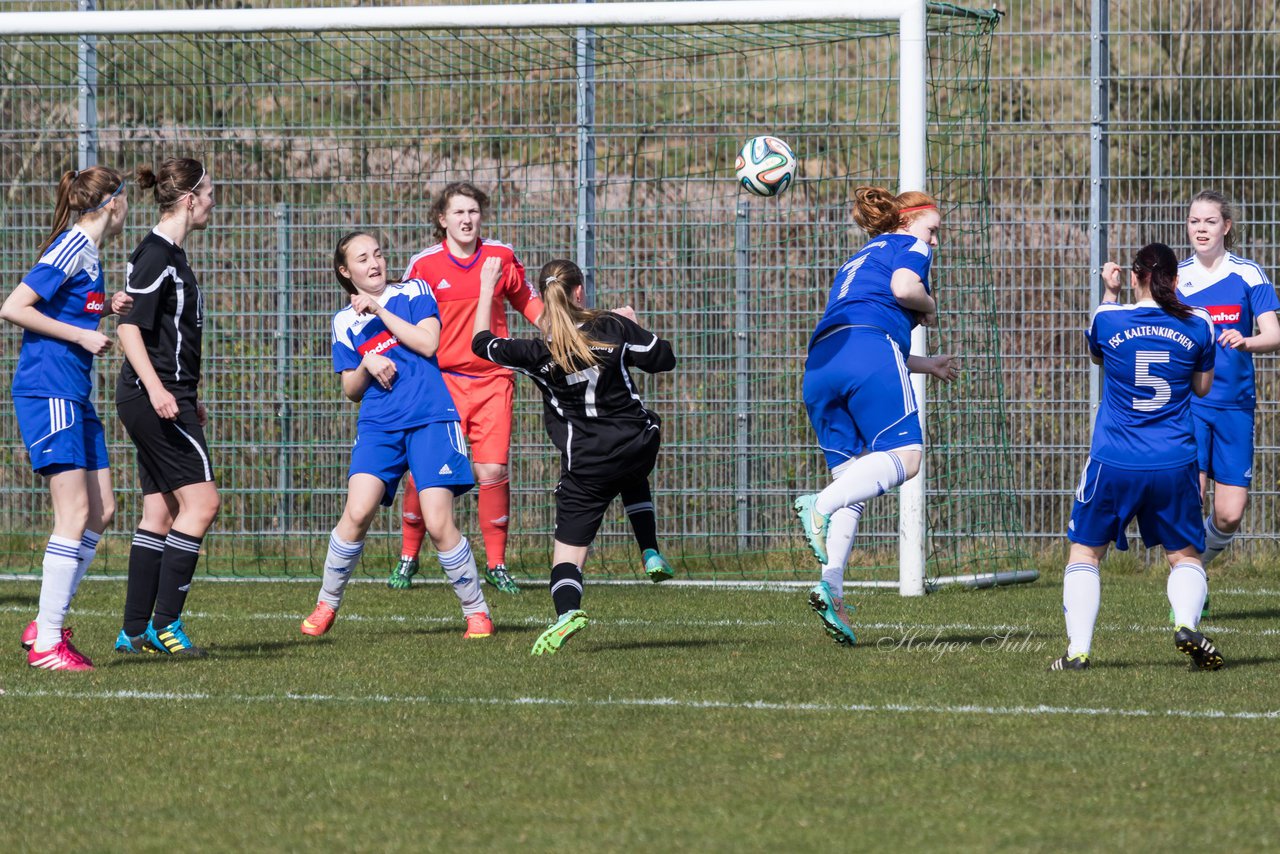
(682, 719)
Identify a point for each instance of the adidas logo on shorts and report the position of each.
(444, 469)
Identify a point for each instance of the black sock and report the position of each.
(566, 588)
(144, 575)
(637, 500)
(177, 568)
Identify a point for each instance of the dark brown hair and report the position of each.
(877, 211)
(176, 178)
(441, 203)
(82, 192)
(1157, 267)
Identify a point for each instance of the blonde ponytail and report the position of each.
(561, 317)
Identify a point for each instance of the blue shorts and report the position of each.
(1166, 503)
(61, 435)
(858, 393)
(1224, 440)
(435, 454)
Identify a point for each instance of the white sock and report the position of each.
(840, 533)
(1187, 587)
(88, 550)
(1081, 597)
(338, 563)
(866, 477)
(58, 583)
(1214, 541)
(459, 566)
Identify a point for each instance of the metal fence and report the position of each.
(1104, 121)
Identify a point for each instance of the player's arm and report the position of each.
(135, 350)
(645, 350)
(1266, 341)
(520, 294)
(422, 337)
(20, 309)
(1111, 276)
(1201, 382)
(945, 368)
(909, 290)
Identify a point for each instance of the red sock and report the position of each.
(495, 509)
(412, 528)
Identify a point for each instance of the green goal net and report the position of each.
(308, 135)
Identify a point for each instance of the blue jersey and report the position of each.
(1234, 294)
(70, 284)
(1148, 357)
(418, 394)
(861, 295)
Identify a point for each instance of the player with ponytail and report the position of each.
(58, 306)
(856, 385)
(1156, 353)
(608, 439)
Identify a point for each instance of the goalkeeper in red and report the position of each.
(481, 390)
(608, 438)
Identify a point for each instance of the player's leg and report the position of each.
(580, 506)
(489, 403)
(145, 552)
(1228, 439)
(637, 501)
(51, 648)
(366, 492)
(1171, 517)
(102, 500)
(438, 459)
(826, 598)
(412, 532)
(1099, 515)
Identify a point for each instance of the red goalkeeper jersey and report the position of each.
(455, 282)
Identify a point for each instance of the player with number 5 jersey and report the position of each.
(1155, 354)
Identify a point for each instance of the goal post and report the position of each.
(310, 115)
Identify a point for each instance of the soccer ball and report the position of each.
(765, 166)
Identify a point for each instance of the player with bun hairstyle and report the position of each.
(1237, 294)
(158, 402)
(1156, 353)
(608, 439)
(58, 305)
(384, 346)
(856, 385)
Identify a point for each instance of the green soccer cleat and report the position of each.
(656, 567)
(501, 579)
(558, 633)
(1079, 661)
(832, 613)
(1204, 655)
(814, 525)
(402, 576)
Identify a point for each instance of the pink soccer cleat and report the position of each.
(64, 656)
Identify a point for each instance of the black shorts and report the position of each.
(583, 496)
(171, 454)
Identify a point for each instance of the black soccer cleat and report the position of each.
(1079, 661)
(1204, 655)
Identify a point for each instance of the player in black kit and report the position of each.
(158, 405)
(608, 440)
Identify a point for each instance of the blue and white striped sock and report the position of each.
(338, 563)
(459, 567)
(61, 556)
(1081, 598)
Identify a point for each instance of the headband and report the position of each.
(549, 279)
(917, 208)
(196, 184)
(105, 201)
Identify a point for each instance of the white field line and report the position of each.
(648, 702)
(431, 580)
(915, 628)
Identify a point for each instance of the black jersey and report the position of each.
(594, 416)
(169, 311)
